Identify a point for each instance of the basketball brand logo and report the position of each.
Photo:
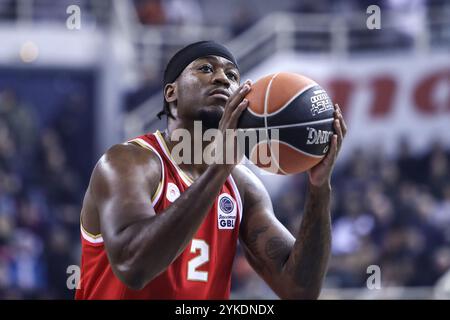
(318, 136)
(320, 102)
(226, 212)
(173, 192)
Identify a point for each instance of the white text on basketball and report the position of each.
(318, 136)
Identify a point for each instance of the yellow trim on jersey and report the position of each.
(88, 233)
(166, 148)
(158, 189)
(136, 141)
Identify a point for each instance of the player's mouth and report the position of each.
(221, 94)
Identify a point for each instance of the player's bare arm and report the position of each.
(294, 267)
(119, 202)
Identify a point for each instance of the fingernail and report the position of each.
(248, 81)
(245, 100)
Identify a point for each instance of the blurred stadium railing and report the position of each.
(322, 34)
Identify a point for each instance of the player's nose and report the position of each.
(219, 77)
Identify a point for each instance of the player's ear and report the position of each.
(170, 92)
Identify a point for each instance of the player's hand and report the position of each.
(234, 107)
(320, 174)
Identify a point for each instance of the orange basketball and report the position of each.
(293, 118)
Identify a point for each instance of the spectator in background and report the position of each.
(243, 18)
(20, 120)
(183, 12)
(8, 159)
(441, 214)
(151, 12)
(8, 10)
(58, 257)
(438, 167)
(409, 166)
(27, 268)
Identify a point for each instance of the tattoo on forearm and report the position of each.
(254, 234)
(309, 258)
(253, 248)
(277, 248)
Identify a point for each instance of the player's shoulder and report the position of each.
(130, 156)
(242, 172)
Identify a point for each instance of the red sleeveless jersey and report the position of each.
(202, 271)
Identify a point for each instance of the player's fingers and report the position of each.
(238, 90)
(334, 147)
(229, 105)
(332, 152)
(338, 130)
(237, 97)
(341, 119)
(237, 113)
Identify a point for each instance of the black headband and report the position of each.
(192, 52)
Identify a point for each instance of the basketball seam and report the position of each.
(266, 101)
(287, 144)
(301, 151)
(291, 125)
(293, 98)
(271, 156)
(285, 105)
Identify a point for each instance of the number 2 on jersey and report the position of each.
(194, 263)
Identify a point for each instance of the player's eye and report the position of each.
(233, 76)
(206, 68)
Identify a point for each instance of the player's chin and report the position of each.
(210, 116)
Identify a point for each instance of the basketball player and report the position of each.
(153, 229)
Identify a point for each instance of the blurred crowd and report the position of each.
(393, 213)
(40, 197)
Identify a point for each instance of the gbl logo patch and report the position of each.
(226, 212)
